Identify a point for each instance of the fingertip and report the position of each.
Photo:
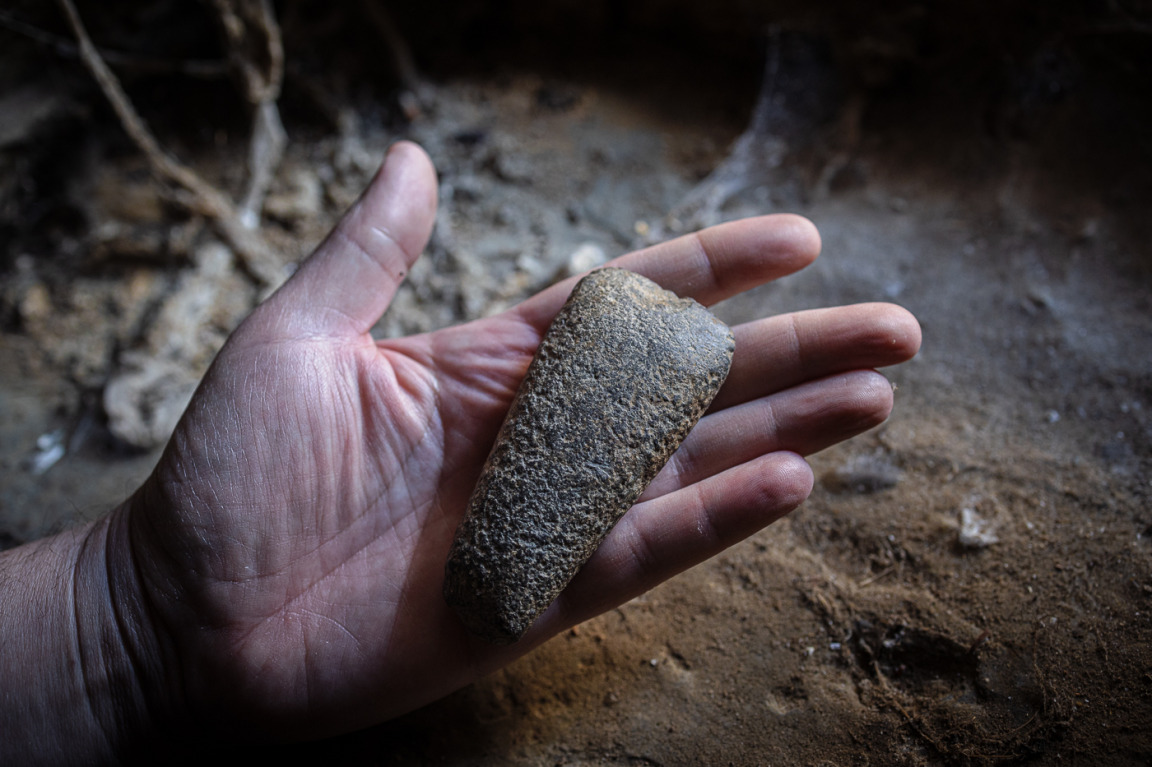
(783, 242)
(873, 400)
(410, 154)
(892, 334)
(906, 332)
(802, 236)
(793, 480)
(848, 404)
(758, 493)
(402, 196)
(896, 331)
(404, 146)
(347, 283)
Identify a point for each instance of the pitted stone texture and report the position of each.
(622, 375)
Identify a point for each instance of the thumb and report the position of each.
(347, 283)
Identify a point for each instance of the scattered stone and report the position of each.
(975, 533)
(298, 197)
(77, 325)
(863, 474)
(510, 164)
(585, 258)
(620, 378)
(49, 450)
(353, 160)
(36, 305)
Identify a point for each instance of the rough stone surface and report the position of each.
(622, 375)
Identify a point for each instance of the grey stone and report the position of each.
(621, 376)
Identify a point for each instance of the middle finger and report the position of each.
(803, 419)
(775, 353)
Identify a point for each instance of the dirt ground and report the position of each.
(969, 584)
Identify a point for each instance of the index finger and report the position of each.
(709, 266)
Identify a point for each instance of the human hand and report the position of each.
(283, 564)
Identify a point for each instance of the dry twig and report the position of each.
(256, 56)
(199, 196)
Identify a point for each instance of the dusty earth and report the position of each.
(969, 584)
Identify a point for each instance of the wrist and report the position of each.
(44, 715)
(126, 664)
(84, 674)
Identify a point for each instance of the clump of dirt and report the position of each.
(969, 584)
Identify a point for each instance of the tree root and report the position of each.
(197, 195)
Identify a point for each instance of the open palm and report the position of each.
(291, 543)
